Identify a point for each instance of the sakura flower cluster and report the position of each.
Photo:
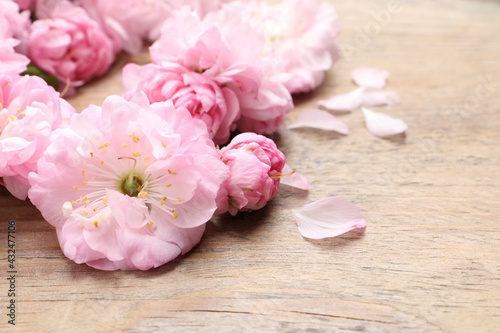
(239, 64)
(132, 183)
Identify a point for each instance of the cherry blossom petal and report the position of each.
(370, 77)
(328, 217)
(296, 179)
(382, 125)
(320, 119)
(344, 102)
(379, 97)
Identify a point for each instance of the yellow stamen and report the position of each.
(179, 198)
(105, 201)
(136, 154)
(124, 145)
(143, 194)
(280, 175)
(96, 224)
(75, 187)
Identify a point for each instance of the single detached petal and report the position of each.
(295, 179)
(328, 217)
(344, 102)
(370, 77)
(379, 97)
(382, 125)
(320, 119)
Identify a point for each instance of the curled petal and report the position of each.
(320, 119)
(382, 125)
(370, 77)
(328, 217)
(294, 179)
(344, 102)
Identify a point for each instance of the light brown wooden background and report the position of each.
(429, 259)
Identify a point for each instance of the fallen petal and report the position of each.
(382, 125)
(295, 179)
(370, 77)
(379, 97)
(328, 217)
(344, 102)
(320, 119)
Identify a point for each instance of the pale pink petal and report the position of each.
(328, 217)
(379, 97)
(370, 77)
(320, 119)
(382, 125)
(296, 179)
(344, 102)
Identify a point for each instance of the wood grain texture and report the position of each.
(429, 260)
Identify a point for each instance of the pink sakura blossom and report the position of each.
(301, 35)
(30, 111)
(129, 22)
(69, 45)
(255, 165)
(217, 106)
(228, 50)
(328, 217)
(129, 185)
(14, 29)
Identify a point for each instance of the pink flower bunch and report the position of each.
(129, 185)
(255, 165)
(226, 50)
(66, 43)
(30, 111)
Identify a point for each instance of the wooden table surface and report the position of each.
(429, 259)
